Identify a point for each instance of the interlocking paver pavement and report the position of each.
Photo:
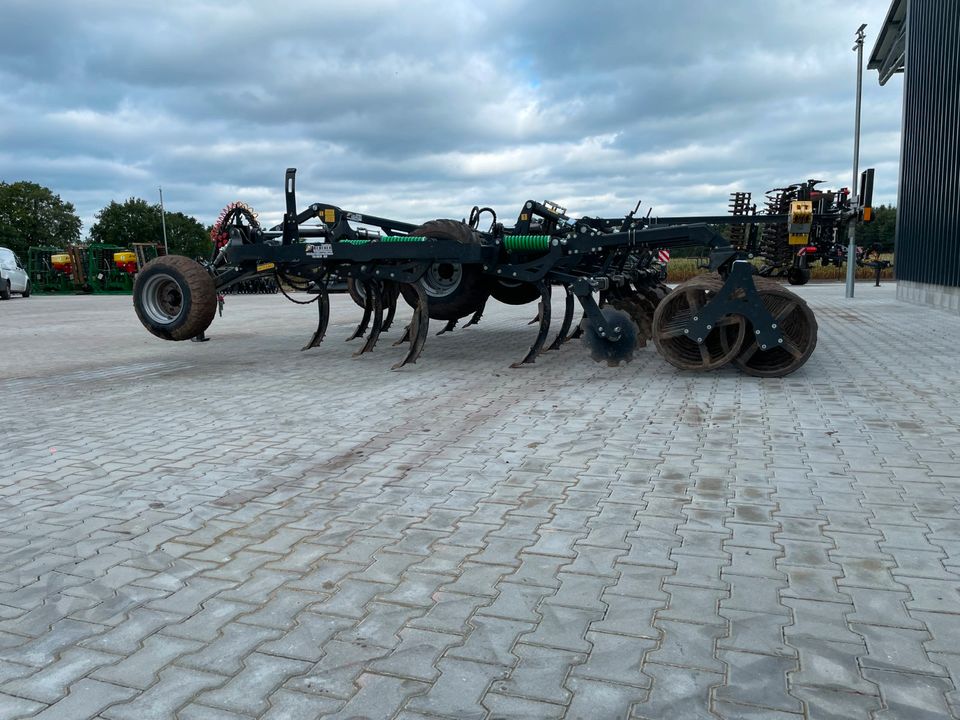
(241, 530)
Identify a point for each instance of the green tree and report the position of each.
(137, 221)
(881, 230)
(31, 214)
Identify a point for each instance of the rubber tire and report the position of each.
(519, 294)
(798, 276)
(26, 290)
(473, 290)
(354, 290)
(197, 289)
(5, 292)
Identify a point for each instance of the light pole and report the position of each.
(854, 200)
(163, 223)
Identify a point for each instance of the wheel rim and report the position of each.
(442, 279)
(162, 300)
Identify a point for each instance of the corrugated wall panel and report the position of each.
(928, 222)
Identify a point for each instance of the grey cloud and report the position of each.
(421, 109)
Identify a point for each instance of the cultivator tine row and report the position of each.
(447, 270)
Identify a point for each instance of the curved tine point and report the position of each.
(543, 331)
(364, 321)
(403, 338)
(568, 309)
(418, 328)
(323, 312)
(376, 299)
(477, 315)
(451, 324)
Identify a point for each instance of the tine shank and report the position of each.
(567, 320)
(417, 329)
(323, 309)
(373, 294)
(544, 327)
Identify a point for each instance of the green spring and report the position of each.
(526, 243)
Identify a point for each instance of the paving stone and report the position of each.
(830, 705)
(17, 707)
(206, 624)
(693, 604)
(918, 697)
(225, 654)
(677, 692)
(51, 683)
(757, 680)
(379, 696)
(175, 688)
(562, 627)
(502, 707)
(306, 639)
(830, 666)
(288, 705)
(86, 699)
(417, 654)
(450, 613)
(335, 673)
(539, 674)
(459, 690)
(491, 641)
(247, 691)
(616, 658)
(896, 649)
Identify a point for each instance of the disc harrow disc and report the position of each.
(722, 343)
(602, 348)
(798, 325)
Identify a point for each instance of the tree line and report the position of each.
(33, 215)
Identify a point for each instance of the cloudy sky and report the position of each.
(418, 109)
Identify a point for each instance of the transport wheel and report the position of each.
(722, 343)
(453, 290)
(602, 348)
(5, 291)
(356, 291)
(798, 325)
(513, 292)
(798, 276)
(26, 290)
(175, 297)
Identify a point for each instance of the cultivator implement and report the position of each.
(448, 270)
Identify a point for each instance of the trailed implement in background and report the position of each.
(448, 270)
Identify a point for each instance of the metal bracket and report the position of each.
(738, 296)
(291, 229)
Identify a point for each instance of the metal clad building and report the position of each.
(921, 38)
